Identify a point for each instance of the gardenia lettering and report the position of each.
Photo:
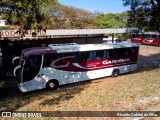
(115, 61)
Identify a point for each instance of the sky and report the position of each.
(105, 6)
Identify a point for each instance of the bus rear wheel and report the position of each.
(52, 84)
(115, 73)
(159, 45)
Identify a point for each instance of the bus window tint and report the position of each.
(75, 58)
(92, 56)
(153, 36)
(105, 54)
(99, 55)
(125, 52)
(63, 62)
(133, 51)
(48, 59)
(31, 67)
(84, 56)
(143, 35)
(63, 59)
(114, 53)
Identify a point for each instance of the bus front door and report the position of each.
(31, 68)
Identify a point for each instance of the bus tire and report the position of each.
(52, 84)
(115, 72)
(159, 45)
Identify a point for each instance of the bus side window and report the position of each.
(154, 36)
(84, 56)
(133, 51)
(125, 52)
(48, 59)
(105, 54)
(92, 55)
(114, 53)
(62, 63)
(75, 58)
(99, 55)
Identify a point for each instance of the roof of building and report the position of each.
(87, 31)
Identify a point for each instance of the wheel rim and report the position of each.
(115, 73)
(51, 85)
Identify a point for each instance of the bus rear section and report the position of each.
(150, 38)
(69, 63)
(137, 38)
(151, 41)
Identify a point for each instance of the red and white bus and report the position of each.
(150, 38)
(60, 64)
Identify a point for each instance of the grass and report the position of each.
(146, 83)
(100, 94)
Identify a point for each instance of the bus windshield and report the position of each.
(31, 67)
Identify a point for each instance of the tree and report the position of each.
(66, 17)
(112, 20)
(144, 14)
(29, 14)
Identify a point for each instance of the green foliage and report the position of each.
(144, 14)
(112, 20)
(66, 17)
(45, 14)
(29, 14)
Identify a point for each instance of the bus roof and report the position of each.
(36, 51)
(73, 47)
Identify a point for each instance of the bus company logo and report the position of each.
(106, 62)
(148, 40)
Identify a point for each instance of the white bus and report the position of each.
(60, 64)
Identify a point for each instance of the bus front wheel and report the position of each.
(115, 73)
(52, 84)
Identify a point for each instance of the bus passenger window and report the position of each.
(84, 56)
(91, 56)
(62, 62)
(133, 51)
(99, 55)
(125, 52)
(105, 54)
(114, 53)
(75, 58)
(48, 59)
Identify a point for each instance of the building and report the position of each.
(2, 23)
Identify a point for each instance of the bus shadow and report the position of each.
(65, 93)
(8, 87)
(147, 63)
(11, 99)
